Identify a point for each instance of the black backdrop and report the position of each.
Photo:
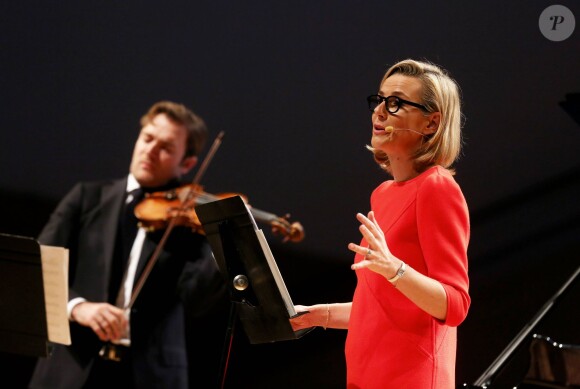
(287, 82)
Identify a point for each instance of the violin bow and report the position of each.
(155, 256)
(201, 171)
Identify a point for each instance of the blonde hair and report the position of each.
(440, 94)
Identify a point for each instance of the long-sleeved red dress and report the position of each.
(392, 343)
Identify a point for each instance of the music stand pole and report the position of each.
(228, 340)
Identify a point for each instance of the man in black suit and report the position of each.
(107, 254)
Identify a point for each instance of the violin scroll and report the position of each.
(293, 232)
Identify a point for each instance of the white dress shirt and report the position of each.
(126, 289)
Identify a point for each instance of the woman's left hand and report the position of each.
(377, 256)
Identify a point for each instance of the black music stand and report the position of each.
(257, 290)
(23, 327)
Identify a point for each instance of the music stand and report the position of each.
(23, 326)
(257, 290)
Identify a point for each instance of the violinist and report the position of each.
(108, 252)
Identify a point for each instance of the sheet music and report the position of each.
(273, 266)
(55, 275)
(276, 273)
(251, 217)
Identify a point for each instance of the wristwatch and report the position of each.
(399, 274)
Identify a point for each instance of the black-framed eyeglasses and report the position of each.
(392, 103)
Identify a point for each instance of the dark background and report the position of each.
(287, 83)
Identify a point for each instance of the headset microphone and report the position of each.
(390, 129)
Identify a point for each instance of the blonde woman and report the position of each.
(411, 264)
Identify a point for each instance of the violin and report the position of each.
(156, 210)
(165, 210)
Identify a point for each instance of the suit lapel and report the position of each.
(111, 203)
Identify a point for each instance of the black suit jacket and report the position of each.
(86, 222)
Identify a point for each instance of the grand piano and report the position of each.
(533, 360)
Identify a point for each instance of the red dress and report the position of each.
(392, 343)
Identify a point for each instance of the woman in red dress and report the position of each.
(411, 265)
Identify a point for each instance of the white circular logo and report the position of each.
(557, 23)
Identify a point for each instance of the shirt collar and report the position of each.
(132, 183)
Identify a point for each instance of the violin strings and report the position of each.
(199, 195)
